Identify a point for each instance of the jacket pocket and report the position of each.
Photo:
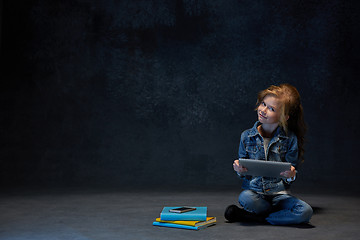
(252, 150)
(278, 153)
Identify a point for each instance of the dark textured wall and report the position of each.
(138, 93)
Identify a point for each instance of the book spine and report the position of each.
(172, 225)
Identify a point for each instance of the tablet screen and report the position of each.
(264, 168)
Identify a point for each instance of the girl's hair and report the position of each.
(291, 107)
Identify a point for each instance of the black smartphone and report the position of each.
(182, 209)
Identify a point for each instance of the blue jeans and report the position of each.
(281, 209)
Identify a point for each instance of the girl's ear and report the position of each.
(287, 117)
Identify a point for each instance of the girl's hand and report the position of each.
(239, 168)
(289, 174)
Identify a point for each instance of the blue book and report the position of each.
(199, 214)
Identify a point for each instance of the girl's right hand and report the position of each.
(239, 168)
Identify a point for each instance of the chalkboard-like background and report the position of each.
(156, 93)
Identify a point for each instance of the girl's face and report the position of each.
(269, 110)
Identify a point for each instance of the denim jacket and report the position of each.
(281, 148)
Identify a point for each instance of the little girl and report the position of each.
(278, 135)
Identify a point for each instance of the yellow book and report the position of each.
(209, 220)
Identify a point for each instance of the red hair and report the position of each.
(291, 112)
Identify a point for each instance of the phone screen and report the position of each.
(182, 209)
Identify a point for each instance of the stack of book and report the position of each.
(193, 220)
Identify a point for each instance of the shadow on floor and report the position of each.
(300, 226)
(316, 210)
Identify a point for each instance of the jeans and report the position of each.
(281, 209)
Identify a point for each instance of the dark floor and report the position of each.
(80, 214)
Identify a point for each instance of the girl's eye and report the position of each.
(272, 109)
(263, 103)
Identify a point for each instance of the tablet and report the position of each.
(264, 168)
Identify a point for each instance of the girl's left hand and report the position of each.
(289, 174)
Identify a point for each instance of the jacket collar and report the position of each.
(279, 132)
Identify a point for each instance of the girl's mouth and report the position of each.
(262, 116)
